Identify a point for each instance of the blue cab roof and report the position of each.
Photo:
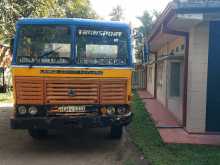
(77, 22)
(72, 21)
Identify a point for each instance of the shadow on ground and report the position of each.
(67, 146)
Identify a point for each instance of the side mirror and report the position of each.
(12, 44)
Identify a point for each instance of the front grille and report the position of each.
(113, 91)
(29, 90)
(58, 91)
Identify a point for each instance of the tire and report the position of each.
(116, 131)
(38, 133)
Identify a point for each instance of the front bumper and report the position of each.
(69, 121)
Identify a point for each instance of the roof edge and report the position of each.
(183, 7)
(71, 21)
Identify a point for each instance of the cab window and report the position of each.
(39, 44)
(101, 47)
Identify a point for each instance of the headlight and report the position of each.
(32, 110)
(121, 110)
(103, 110)
(22, 110)
(110, 110)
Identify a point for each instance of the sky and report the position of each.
(132, 8)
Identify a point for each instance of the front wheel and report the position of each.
(116, 131)
(38, 133)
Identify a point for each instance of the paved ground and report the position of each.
(170, 130)
(67, 147)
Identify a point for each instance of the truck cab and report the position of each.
(71, 73)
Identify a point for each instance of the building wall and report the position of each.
(197, 78)
(171, 46)
(161, 82)
(173, 104)
(151, 76)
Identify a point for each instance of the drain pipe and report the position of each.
(155, 72)
(155, 78)
(165, 29)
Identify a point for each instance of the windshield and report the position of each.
(101, 47)
(52, 44)
(44, 45)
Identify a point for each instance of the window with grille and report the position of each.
(160, 74)
(150, 70)
(175, 79)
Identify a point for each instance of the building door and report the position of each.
(213, 83)
(174, 86)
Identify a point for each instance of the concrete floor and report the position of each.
(67, 147)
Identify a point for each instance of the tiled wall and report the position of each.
(174, 105)
(161, 86)
(197, 78)
(150, 80)
(168, 47)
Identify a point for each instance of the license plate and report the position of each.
(72, 109)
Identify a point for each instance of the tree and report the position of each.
(156, 14)
(79, 9)
(142, 33)
(12, 10)
(117, 13)
(147, 22)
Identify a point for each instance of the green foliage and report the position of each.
(147, 23)
(117, 13)
(79, 9)
(142, 33)
(129, 162)
(156, 14)
(147, 139)
(6, 97)
(12, 10)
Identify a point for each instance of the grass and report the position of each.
(6, 97)
(147, 139)
(129, 162)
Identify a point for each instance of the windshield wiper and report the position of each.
(44, 55)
